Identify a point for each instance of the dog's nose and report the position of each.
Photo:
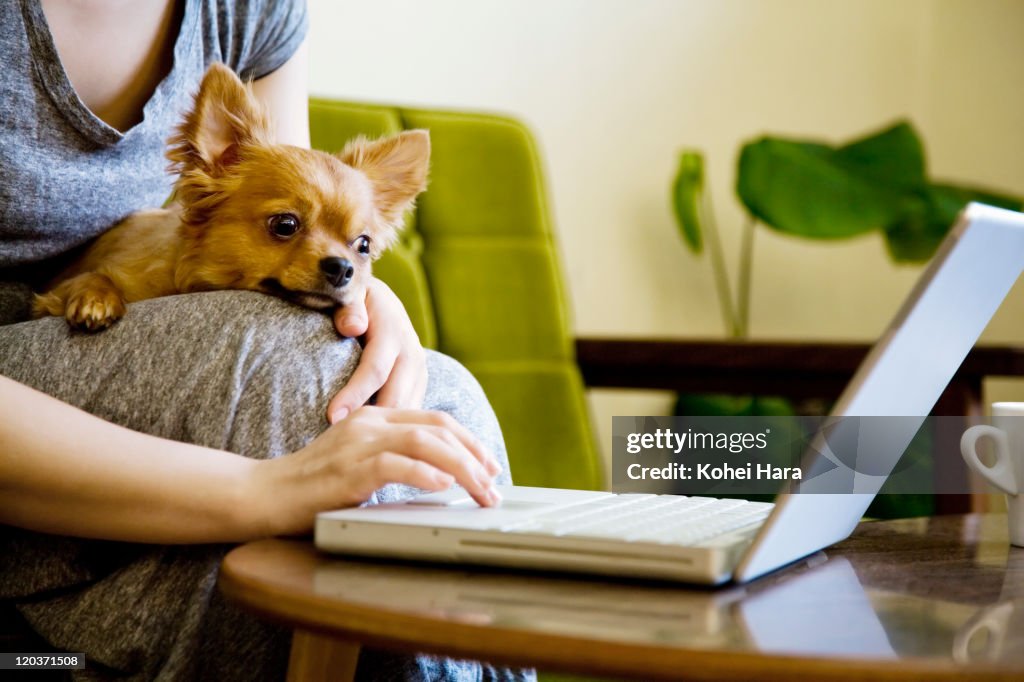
(338, 271)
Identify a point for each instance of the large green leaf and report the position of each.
(916, 235)
(894, 156)
(818, 191)
(687, 193)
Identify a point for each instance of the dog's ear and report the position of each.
(397, 167)
(225, 117)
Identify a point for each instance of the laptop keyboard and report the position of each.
(661, 519)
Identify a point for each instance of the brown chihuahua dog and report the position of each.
(249, 214)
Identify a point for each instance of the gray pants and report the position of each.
(231, 370)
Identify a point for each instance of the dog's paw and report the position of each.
(93, 310)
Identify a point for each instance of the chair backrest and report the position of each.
(478, 271)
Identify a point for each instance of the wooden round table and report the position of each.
(937, 598)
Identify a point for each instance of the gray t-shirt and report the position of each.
(65, 175)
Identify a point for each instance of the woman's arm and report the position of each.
(285, 93)
(67, 472)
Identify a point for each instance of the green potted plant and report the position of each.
(811, 189)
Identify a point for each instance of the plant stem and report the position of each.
(746, 272)
(719, 269)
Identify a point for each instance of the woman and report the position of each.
(118, 469)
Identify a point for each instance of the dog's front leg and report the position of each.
(89, 302)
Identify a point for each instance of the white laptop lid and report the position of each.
(903, 375)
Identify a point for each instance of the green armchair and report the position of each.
(477, 270)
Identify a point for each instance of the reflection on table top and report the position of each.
(912, 599)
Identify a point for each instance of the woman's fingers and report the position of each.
(447, 454)
(389, 467)
(407, 383)
(375, 446)
(352, 320)
(446, 422)
(373, 370)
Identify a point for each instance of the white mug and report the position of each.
(1007, 472)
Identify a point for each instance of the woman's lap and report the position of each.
(232, 370)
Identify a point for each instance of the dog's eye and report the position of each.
(283, 225)
(363, 245)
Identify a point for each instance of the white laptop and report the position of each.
(706, 540)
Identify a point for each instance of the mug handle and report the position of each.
(994, 620)
(999, 474)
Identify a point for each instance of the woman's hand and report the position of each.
(370, 448)
(393, 364)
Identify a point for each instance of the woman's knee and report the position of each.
(453, 389)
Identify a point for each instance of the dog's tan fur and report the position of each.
(233, 181)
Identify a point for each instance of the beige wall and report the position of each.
(614, 88)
